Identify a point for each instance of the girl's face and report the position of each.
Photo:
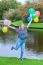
(21, 27)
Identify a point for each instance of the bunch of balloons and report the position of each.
(6, 23)
(34, 15)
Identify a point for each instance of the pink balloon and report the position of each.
(37, 13)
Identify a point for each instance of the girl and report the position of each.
(22, 37)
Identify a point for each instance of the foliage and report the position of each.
(17, 11)
(5, 5)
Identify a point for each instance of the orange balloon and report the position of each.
(37, 13)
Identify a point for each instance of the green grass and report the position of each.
(34, 25)
(17, 23)
(15, 61)
(37, 25)
(1, 21)
(36, 30)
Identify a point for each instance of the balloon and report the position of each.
(29, 19)
(4, 29)
(37, 13)
(36, 19)
(31, 11)
(33, 16)
(7, 22)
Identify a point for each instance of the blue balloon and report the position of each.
(29, 19)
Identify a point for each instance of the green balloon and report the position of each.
(31, 11)
(33, 16)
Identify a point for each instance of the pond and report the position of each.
(33, 48)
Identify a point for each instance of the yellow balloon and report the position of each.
(4, 29)
(36, 19)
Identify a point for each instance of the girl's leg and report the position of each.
(22, 51)
(18, 44)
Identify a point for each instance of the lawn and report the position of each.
(15, 61)
(33, 25)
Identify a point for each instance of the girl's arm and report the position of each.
(29, 23)
(12, 27)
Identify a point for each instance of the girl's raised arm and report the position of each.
(29, 23)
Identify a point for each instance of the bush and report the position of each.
(6, 5)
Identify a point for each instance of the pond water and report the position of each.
(33, 48)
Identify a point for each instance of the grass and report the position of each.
(15, 61)
(34, 25)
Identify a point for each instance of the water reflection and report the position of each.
(8, 38)
(34, 44)
(35, 41)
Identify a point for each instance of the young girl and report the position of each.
(22, 37)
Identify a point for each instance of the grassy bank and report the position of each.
(33, 25)
(15, 61)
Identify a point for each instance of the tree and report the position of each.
(5, 5)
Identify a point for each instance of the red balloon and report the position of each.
(37, 13)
